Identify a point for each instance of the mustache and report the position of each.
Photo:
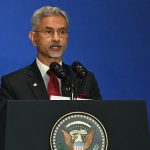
(55, 45)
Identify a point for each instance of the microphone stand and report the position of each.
(70, 87)
(72, 91)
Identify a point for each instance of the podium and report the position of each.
(27, 125)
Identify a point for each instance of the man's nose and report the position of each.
(56, 36)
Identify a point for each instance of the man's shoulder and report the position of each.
(18, 73)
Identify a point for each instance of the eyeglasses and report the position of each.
(50, 32)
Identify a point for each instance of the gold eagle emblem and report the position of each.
(71, 139)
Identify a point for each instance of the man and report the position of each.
(49, 35)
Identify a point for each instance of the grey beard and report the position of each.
(55, 55)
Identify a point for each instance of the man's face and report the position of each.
(50, 37)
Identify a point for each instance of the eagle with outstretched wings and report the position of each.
(70, 142)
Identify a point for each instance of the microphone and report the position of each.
(80, 70)
(61, 73)
(58, 70)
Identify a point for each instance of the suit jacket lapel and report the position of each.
(36, 82)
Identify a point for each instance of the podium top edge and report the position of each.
(82, 101)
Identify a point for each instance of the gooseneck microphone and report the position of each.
(61, 73)
(80, 70)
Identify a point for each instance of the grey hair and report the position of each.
(44, 12)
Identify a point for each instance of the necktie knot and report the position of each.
(50, 72)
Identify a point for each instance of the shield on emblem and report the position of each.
(78, 146)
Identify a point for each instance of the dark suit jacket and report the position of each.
(28, 84)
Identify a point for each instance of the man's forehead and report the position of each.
(51, 22)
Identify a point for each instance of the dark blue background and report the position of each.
(111, 38)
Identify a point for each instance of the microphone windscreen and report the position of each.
(80, 70)
(76, 63)
(59, 71)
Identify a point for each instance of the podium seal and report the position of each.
(78, 131)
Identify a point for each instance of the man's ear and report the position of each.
(32, 37)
